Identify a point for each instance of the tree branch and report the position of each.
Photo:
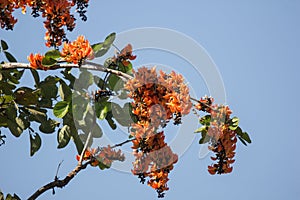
(86, 65)
(59, 183)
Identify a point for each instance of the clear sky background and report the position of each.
(256, 46)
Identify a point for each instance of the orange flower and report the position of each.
(107, 155)
(77, 51)
(124, 55)
(36, 61)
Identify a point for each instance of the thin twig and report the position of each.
(59, 183)
(120, 144)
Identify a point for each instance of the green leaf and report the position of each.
(61, 109)
(103, 112)
(35, 76)
(25, 121)
(243, 136)
(201, 129)
(63, 136)
(26, 96)
(205, 120)
(115, 83)
(9, 197)
(1, 196)
(101, 165)
(16, 197)
(204, 138)
(35, 143)
(54, 54)
(48, 126)
(102, 47)
(65, 91)
(14, 128)
(97, 131)
(109, 40)
(10, 57)
(233, 123)
(79, 106)
(110, 121)
(20, 123)
(99, 82)
(4, 45)
(48, 61)
(48, 87)
(36, 114)
(69, 76)
(243, 141)
(122, 115)
(85, 80)
(102, 108)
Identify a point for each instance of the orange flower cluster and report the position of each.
(157, 100)
(124, 56)
(222, 138)
(76, 51)
(56, 12)
(105, 155)
(36, 61)
(7, 21)
(224, 150)
(156, 165)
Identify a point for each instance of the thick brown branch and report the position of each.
(86, 65)
(59, 183)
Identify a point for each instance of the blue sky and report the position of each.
(255, 45)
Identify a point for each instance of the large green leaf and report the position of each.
(63, 136)
(61, 109)
(10, 57)
(35, 143)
